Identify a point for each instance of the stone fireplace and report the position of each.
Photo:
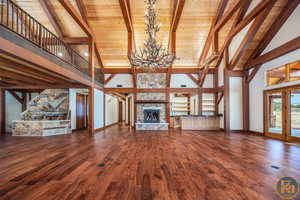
(151, 115)
(151, 107)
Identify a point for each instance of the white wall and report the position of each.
(98, 109)
(236, 103)
(13, 110)
(120, 79)
(290, 30)
(287, 32)
(181, 79)
(111, 110)
(209, 81)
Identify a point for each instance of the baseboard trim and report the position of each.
(256, 133)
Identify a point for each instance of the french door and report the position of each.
(282, 113)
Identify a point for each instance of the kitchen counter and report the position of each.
(200, 122)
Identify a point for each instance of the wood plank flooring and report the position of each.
(121, 164)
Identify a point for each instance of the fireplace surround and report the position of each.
(151, 115)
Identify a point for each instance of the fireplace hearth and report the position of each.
(151, 116)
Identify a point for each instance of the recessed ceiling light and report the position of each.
(86, 54)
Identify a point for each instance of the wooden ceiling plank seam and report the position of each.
(77, 17)
(290, 46)
(286, 11)
(258, 21)
(53, 17)
(212, 34)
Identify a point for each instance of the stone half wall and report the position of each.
(141, 107)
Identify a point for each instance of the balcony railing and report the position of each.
(17, 20)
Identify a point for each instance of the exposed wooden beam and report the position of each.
(273, 30)
(193, 78)
(52, 16)
(17, 97)
(109, 78)
(212, 35)
(227, 16)
(21, 77)
(76, 16)
(275, 53)
(253, 73)
(83, 11)
(172, 38)
(258, 21)
(206, 68)
(220, 98)
(252, 15)
(172, 71)
(76, 40)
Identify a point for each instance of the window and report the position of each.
(287, 73)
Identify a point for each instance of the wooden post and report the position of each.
(91, 71)
(246, 119)
(24, 103)
(2, 111)
(216, 85)
(168, 107)
(135, 109)
(226, 102)
(199, 102)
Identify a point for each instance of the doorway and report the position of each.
(282, 113)
(81, 111)
(120, 111)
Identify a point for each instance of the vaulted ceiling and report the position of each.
(194, 41)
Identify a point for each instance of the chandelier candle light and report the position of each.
(153, 56)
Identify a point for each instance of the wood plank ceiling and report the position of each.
(111, 35)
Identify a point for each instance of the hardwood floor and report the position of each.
(121, 164)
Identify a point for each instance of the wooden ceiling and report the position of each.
(194, 35)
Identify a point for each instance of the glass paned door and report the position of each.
(275, 113)
(294, 114)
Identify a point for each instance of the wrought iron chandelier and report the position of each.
(153, 56)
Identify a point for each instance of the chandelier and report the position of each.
(153, 56)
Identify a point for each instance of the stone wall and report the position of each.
(151, 96)
(51, 104)
(148, 80)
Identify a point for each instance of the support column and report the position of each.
(2, 111)
(168, 107)
(226, 102)
(246, 119)
(91, 71)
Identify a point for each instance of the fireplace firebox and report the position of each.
(151, 116)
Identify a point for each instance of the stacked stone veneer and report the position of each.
(151, 80)
(148, 80)
(151, 96)
(51, 104)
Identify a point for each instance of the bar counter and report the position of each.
(200, 122)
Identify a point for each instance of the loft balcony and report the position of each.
(28, 46)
